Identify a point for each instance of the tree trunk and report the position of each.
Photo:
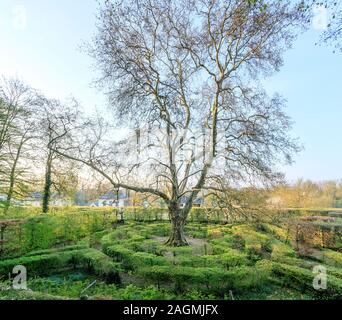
(12, 178)
(48, 184)
(10, 191)
(177, 236)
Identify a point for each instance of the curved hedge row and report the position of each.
(51, 261)
(302, 279)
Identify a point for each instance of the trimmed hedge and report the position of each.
(302, 279)
(212, 280)
(45, 264)
(98, 263)
(280, 250)
(57, 250)
(133, 260)
(333, 258)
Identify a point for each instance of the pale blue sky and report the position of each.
(40, 39)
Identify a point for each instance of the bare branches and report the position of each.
(17, 130)
(188, 67)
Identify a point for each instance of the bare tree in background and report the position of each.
(17, 129)
(20, 164)
(14, 97)
(55, 119)
(185, 77)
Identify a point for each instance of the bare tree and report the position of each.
(17, 102)
(184, 76)
(55, 119)
(19, 179)
(14, 97)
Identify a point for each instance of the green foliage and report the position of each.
(59, 227)
(38, 265)
(280, 250)
(278, 232)
(100, 264)
(212, 280)
(302, 279)
(38, 233)
(44, 263)
(333, 258)
(27, 295)
(132, 292)
(251, 260)
(56, 250)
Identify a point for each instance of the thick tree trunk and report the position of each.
(177, 235)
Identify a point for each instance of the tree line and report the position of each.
(29, 124)
(309, 194)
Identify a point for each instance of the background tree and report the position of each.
(14, 95)
(17, 104)
(308, 194)
(20, 179)
(55, 119)
(184, 77)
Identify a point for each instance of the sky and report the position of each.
(41, 40)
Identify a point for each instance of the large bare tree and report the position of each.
(185, 77)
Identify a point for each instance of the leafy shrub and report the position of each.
(232, 258)
(150, 246)
(119, 253)
(47, 263)
(254, 241)
(143, 258)
(333, 257)
(56, 250)
(38, 233)
(157, 274)
(199, 215)
(213, 279)
(100, 264)
(302, 279)
(43, 264)
(281, 250)
(132, 292)
(279, 233)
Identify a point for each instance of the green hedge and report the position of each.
(212, 280)
(62, 226)
(134, 260)
(98, 263)
(333, 258)
(44, 264)
(302, 279)
(57, 250)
